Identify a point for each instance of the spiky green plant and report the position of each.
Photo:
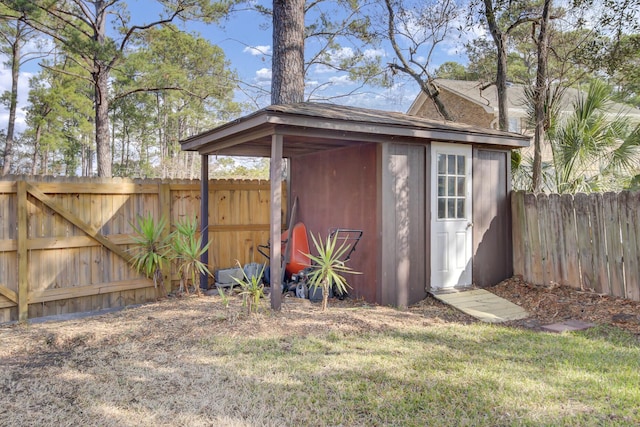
(327, 267)
(149, 253)
(187, 249)
(252, 289)
(223, 296)
(593, 150)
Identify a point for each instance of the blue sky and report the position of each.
(246, 40)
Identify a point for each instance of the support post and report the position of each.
(23, 271)
(204, 215)
(275, 175)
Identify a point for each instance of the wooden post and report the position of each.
(517, 231)
(204, 215)
(23, 280)
(164, 198)
(275, 172)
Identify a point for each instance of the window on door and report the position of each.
(451, 186)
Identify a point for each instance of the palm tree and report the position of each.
(593, 151)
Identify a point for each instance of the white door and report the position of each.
(451, 219)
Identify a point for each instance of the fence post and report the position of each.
(164, 199)
(204, 218)
(517, 232)
(23, 280)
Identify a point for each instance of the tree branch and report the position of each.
(65, 72)
(158, 89)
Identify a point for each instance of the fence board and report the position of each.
(583, 241)
(613, 244)
(72, 229)
(534, 253)
(630, 236)
(9, 294)
(599, 244)
(573, 277)
(556, 239)
(23, 283)
(547, 239)
(517, 232)
(583, 232)
(633, 291)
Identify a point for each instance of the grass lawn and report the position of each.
(192, 362)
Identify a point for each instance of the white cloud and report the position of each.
(375, 53)
(335, 56)
(455, 41)
(342, 53)
(323, 69)
(397, 98)
(341, 80)
(263, 76)
(257, 50)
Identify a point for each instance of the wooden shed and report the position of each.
(432, 197)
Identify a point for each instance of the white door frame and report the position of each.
(451, 216)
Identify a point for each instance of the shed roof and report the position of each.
(309, 127)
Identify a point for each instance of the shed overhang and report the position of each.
(312, 127)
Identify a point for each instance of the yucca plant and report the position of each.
(327, 267)
(252, 289)
(149, 253)
(186, 251)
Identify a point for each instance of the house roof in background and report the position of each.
(308, 127)
(516, 98)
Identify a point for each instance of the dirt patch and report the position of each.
(553, 304)
(173, 316)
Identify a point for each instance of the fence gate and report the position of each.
(64, 244)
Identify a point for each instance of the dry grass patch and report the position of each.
(194, 362)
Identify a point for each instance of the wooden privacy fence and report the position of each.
(583, 241)
(64, 243)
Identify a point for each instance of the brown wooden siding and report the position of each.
(492, 253)
(404, 258)
(337, 188)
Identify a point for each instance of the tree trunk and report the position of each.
(36, 149)
(540, 95)
(44, 162)
(103, 142)
(325, 294)
(101, 70)
(432, 92)
(13, 103)
(287, 84)
(501, 85)
(500, 40)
